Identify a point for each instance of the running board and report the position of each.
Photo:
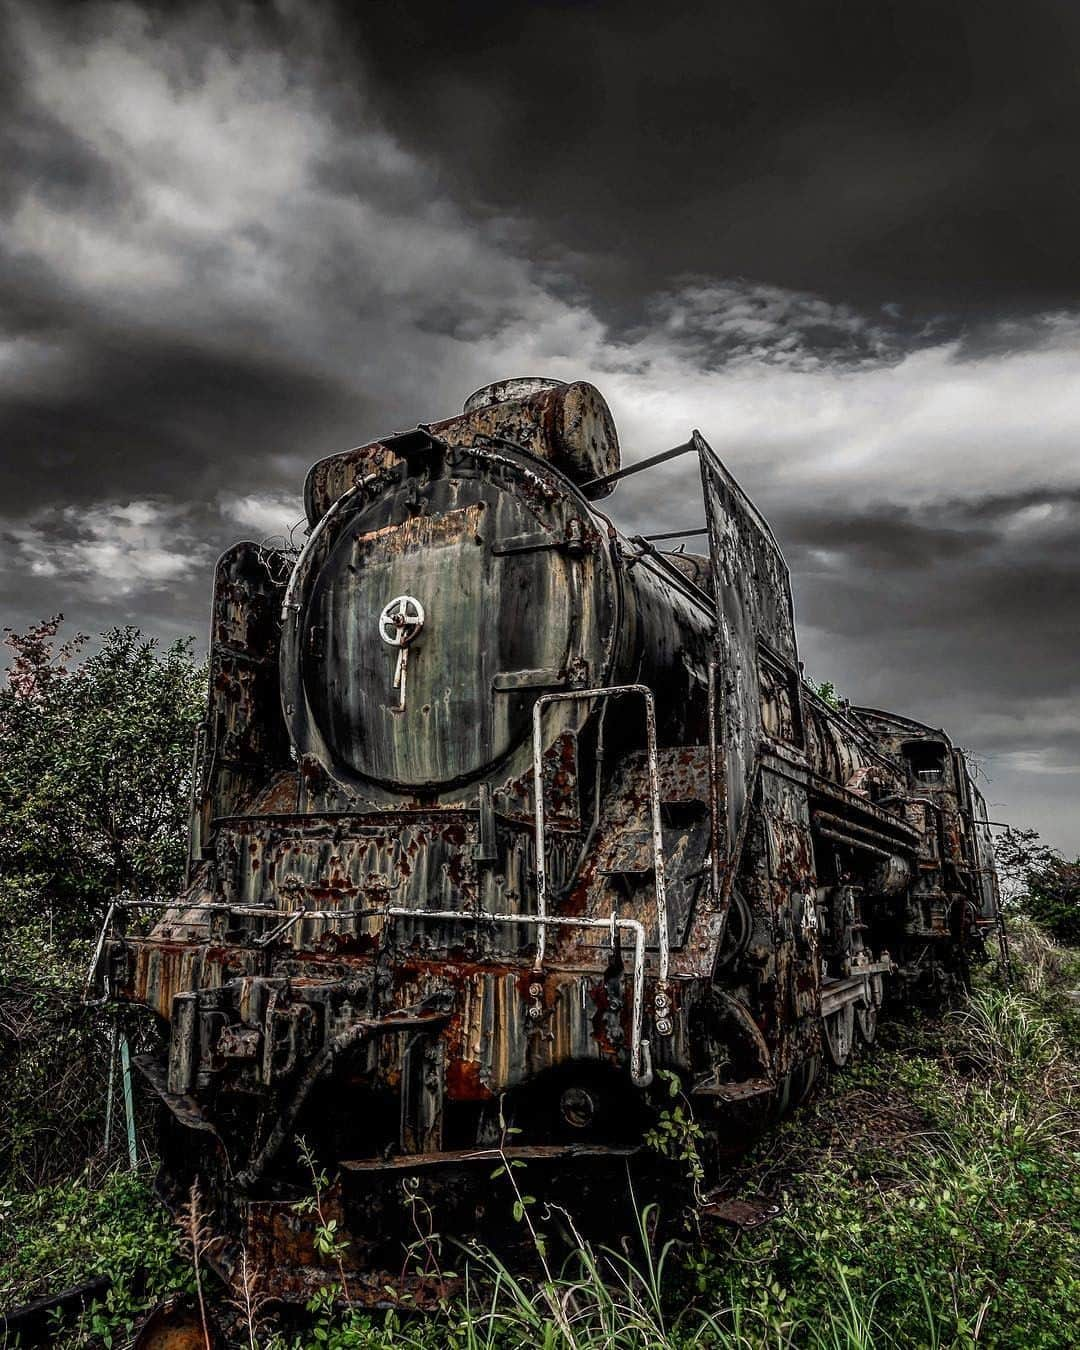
(186, 1109)
(732, 1091)
(835, 994)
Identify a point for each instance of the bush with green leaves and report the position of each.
(1053, 899)
(95, 765)
(1039, 883)
(100, 1223)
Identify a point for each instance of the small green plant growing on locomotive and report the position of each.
(675, 1134)
(327, 1240)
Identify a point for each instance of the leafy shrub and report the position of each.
(97, 1224)
(1053, 899)
(1039, 883)
(95, 762)
(53, 1061)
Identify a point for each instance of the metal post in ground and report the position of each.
(114, 1032)
(129, 1106)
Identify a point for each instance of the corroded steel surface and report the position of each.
(471, 891)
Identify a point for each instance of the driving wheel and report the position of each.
(839, 1027)
(866, 1010)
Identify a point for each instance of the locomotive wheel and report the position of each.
(839, 1028)
(736, 931)
(866, 1010)
(866, 1022)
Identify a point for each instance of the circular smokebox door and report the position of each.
(504, 616)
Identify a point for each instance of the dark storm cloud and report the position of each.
(948, 582)
(918, 151)
(965, 615)
(838, 237)
(1033, 524)
(187, 301)
(148, 413)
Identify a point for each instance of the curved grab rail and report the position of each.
(542, 917)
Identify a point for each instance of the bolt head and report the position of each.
(664, 1026)
(536, 990)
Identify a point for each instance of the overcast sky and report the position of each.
(842, 237)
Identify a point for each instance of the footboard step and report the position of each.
(742, 1091)
(425, 1162)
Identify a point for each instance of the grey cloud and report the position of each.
(982, 616)
(111, 550)
(715, 323)
(965, 617)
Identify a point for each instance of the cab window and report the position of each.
(926, 762)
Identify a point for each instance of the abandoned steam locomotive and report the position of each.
(497, 814)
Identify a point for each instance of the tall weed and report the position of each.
(1006, 1035)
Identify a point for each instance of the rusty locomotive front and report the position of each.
(497, 815)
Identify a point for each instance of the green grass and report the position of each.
(930, 1197)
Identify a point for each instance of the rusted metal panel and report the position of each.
(740, 1213)
(754, 605)
(243, 734)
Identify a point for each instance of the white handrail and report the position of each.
(542, 916)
